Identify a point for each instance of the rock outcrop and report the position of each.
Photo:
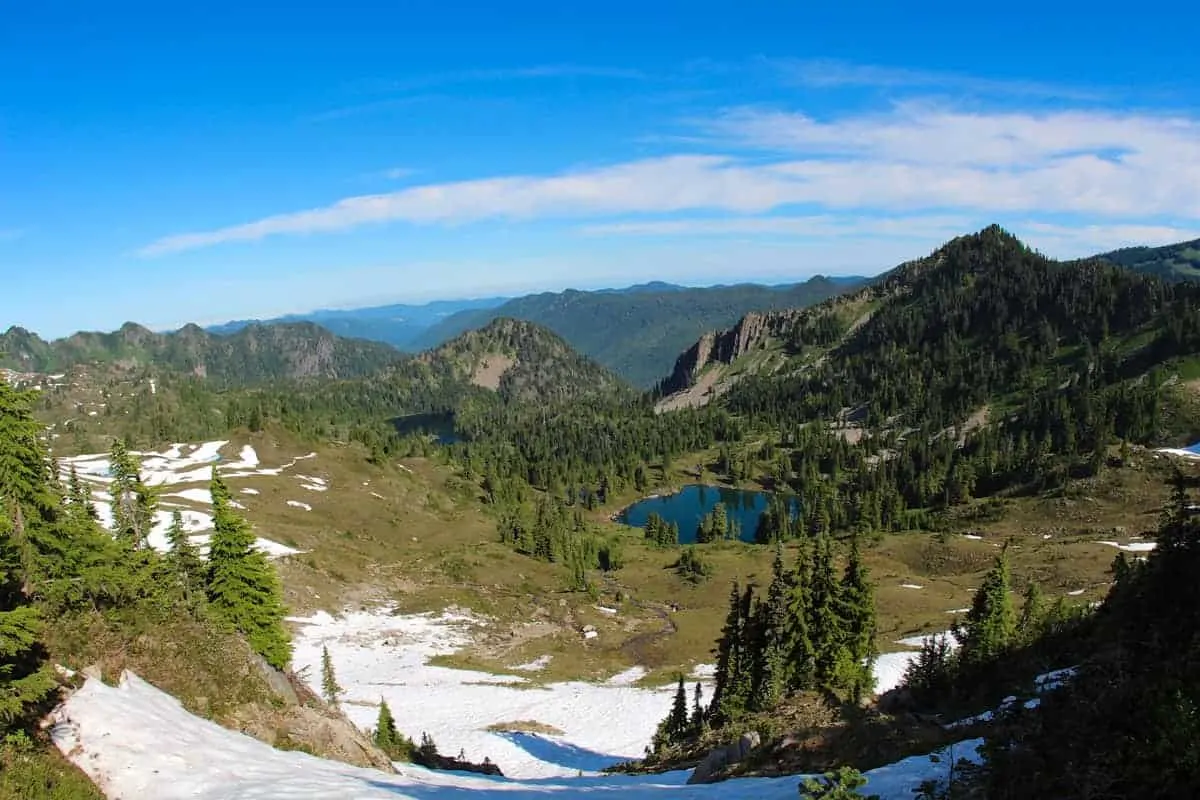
(720, 759)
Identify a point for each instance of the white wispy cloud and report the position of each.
(914, 158)
(834, 73)
(929, 227)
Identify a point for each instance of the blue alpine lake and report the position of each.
(691, 503)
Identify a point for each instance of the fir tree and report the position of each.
(697, 720)
(133, 503)
(26, 679)
(183, 557)
(243, 588)
(394, 744)
(824, 623)
(677, 721)
(771, 678)
(856, 602)
(1033, 613)
(725, 676)
(329, 685)
(801, 672)
(991, 623)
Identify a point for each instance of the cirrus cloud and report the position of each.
(1129, 171)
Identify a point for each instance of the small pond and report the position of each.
(440, 426)
(691, 503)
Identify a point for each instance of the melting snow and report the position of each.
(135, 741)
(539, 663)
(249, 491)
(911, 586)
(1132, 547)
(298, 504)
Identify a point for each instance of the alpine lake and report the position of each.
(688, 506)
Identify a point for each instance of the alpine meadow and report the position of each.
(656, 403)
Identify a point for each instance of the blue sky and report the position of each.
(229, 160)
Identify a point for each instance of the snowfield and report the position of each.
(180, 464)
(137, 742)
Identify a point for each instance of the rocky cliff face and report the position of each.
(752, 332)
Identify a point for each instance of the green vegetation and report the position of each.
(638, 333)
(1172, 262)
(394, 744)
(243, 589)
(255, 354)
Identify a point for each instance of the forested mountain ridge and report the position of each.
(638, 331)
(398, 325)
(254, 354)
(982, 317)
(1179, 261)
(524, 361)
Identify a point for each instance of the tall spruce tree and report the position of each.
(184, 558)
(394, 744)
(678, 722)
(824, 623)
(329, 685)
(26, 505)
(801, 672)
(243, 588)
(991, 623)
(726, 678)
(856, 600)
(133, 503)
(771, 678)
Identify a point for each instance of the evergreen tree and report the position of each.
(697, 720)
(133, 503)
(824, 623)
(1033, 613)
(394, 744)
(991, 623)
(243, 588)
(26, 679)
(771, 679)
(329, 685)
(801, 672)
(856, 601)
(677, 721)
(726, 703)
(183, 557)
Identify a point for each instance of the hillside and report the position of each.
(638, 331)
(1179, 261)
(254, 354)
(398, 325)
(522, 361)
(983, 319)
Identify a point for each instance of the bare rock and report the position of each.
(712, 766)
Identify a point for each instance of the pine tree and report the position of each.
(991, 623)
(329, 685)
(394, 744)
(26, 679)
(856, 602)
(183, 557)
(133, 503)
(725, 677)
(772, 674)
(697, 720)
(1033, 613)
(243, 588)
(677, 721)
(824, 623)
(801, 672)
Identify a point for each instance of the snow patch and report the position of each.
(298, 504)
(911, 586)
(538, 664)
(250, 491)
(136, 741)
(1132, 547)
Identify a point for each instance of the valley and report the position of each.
(466, 533)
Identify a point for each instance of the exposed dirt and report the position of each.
(488, 373)
(705, 389)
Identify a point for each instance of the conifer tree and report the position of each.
(857, 610)
(824, 624)
(697, 720)
(133, 503)
(329, 684)
(801, 673)
(677, 721)
(725, 676)
(991, 622)
(243, 588)
(394, 744)
(771, 679)
(183, 557)
(1033, 613)
(25, 676)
